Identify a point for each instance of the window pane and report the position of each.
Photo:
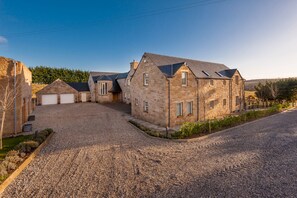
(190, 107)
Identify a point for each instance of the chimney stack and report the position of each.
(133, 65)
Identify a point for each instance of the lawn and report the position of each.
(11, 142)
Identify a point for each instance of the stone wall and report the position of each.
(88, 96)
(182, 94)
(154, 94)
(237, 90)
(57, 87)
(217, 91)
(92, 88)
(23, 93)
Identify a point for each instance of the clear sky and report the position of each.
(259, 37)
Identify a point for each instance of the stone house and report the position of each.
(60, 92)
(18, 78)
(169, 91)
(108, 87)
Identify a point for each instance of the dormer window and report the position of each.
(145, 79)
(184, 78)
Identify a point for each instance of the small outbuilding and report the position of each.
(60, 92)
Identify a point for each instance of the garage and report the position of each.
(60, 92)
(49, 99)
(67, 98)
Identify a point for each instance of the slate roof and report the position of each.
(169, 65)
(122, 75)
(229, 72)
(79, 86)
(95, 75)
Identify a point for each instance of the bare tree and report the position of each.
(8, 95)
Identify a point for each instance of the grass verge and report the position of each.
(10, 142)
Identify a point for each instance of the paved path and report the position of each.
(96, 153)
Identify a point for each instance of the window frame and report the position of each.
(145, 106)
(184, 79)
(211, 82)
(145, 79)
(224, 102)
(179, 109)
(103, 88)
(191, 108)
(212, 104)
(237, 100)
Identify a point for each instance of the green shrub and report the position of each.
(14, 159)
(27, 147)
(3, 172)
(12, 153)
(10, 166)
(49, 130)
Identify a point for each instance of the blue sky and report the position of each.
(256, 36)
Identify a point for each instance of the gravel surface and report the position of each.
(96, 153)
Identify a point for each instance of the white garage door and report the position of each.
(49, 99)
(66, 98)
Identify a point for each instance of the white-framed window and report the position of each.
(145, 79)
(145, 106)
(237, 100)
(184, 78)
(136, 101)
(212, 104)
(190, 108)
(179, 109)
(224, 102)
(103, 88)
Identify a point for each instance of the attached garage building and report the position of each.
(60, 92)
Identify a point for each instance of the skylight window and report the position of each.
(219, 74)
(207, 74)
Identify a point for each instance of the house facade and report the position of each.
(169, 91)
(15, 76)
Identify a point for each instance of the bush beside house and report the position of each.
(15, 157)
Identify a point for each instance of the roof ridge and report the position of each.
(148, 53)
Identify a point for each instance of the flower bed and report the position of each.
(20, 152)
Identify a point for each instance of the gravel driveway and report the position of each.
(96, 153)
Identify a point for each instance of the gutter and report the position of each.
(14, 95)
(197, 99)
(168, 121)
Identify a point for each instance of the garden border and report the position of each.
(27, 161)
(235, 127)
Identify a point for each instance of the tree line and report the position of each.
(47, 75)
(279, 91)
